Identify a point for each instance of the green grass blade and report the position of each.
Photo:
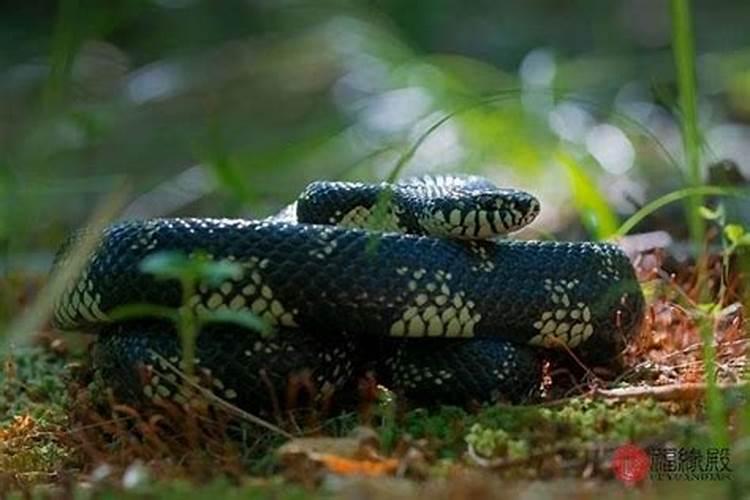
(715, 408)
(139, 311)
(680, 194)
(596, 214)
(684, 56)
(65, 42)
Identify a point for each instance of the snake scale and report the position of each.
(439, 308)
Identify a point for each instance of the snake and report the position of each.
(415, 283)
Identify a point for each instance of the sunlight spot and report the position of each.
(732, 142)
(538, 68)
(570, 121)
(396, 110)
(441, 148)
(157, 81)
(611, 148)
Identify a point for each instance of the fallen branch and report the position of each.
(669, 392)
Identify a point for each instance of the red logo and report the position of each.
(630, 464)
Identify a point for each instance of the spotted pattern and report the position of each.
(608, 270)
(436, 310)
(237, 366)
(80, 300)
(325, 244)
(497, 371)
(162, 381)
(565, 323)
(474, 222)
(414, 375)
(362, 217)
(454, 207)
(464, 316)
(482, 251)
(476, 209)
(252, 294)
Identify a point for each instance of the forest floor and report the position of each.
(56, 438)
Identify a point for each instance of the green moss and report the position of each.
(496, 443)
(32, 416)
(605, 420)
(34, 460)
(33, 382)
(510, 432)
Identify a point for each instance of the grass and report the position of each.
(715, 406)
(686, 193)
(44, 441)
(65, 44)
(515, 443)
(596, 215)
(684, 57)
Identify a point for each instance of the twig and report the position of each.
(208, 394)
(692, 347)
(669, 392)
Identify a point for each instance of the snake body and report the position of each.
(442, 314)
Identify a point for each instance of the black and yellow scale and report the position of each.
(441, 311)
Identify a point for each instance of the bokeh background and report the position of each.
(228, 108)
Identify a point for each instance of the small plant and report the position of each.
(190, 271)
(733, 237)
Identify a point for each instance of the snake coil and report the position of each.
(439, 309)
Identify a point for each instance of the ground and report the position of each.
(58, 435)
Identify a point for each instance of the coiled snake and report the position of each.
(441, 311)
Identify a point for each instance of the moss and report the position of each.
(33, 395)
(608, 421)
(30, 461)
(496, 443)
(33, 399)
(510, 432)
(33, 383)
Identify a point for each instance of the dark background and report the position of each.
(229, 108)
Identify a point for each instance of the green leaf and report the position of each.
(176, 265)
(215, 272)
(166, 265)
(135, 311)
(734, 233)
(674, 196)
(596, 214)
(245, 319)
(708, 308)
(710, 214)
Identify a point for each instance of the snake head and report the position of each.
(481, 214)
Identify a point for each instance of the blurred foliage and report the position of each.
(229, 108)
